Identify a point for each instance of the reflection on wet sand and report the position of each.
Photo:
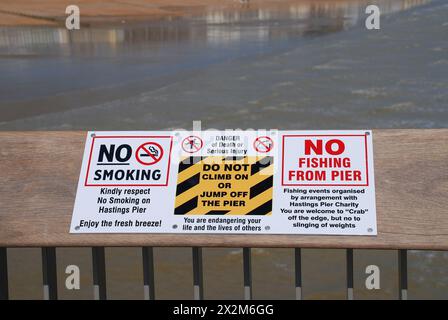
(308, 10)
(308, 18)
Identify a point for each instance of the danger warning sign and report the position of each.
(273, 182)
(224, 186)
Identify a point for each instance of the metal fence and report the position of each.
(50, 287)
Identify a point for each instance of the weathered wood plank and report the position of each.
(39, 173)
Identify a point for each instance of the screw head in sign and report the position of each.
(77, 228)
(174, 226)
(370, 230)
(93, 135)
(267, 228)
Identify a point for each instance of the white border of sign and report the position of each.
(153, 212)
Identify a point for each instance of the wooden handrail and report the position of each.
(39, 174)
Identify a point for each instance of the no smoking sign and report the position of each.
(125, 160)
(149, 153)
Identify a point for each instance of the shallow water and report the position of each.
(305, 66)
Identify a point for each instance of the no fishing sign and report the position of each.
(326, 182)
(273, 182)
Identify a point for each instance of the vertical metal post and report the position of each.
(349, 257)
(99, 273)
(4, 292)
(247, 273)
(403, 274)
(49, 273)
(298, 272)
(148, 273)
(197, 274)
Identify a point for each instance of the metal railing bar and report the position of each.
(198, 286)
(247, 267)
(148, 273)
(349, 259)
(403, 274)
(298, 272)
(99, 273)
(49, 273)
(4, 291)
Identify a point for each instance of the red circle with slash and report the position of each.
(263, 144)
(192, 144)
(149, 153)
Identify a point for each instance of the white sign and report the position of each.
(125, 183)
(297, 182)
(225, 182)
(326, 183)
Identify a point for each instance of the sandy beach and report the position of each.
(52, 12)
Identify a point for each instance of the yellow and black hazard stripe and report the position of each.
(254, 192)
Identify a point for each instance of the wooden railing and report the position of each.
(39, 173)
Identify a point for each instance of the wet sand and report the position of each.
(268, 70)
(52, 12)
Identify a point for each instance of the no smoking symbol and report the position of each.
(149, 153)
(263, 144)
(192, 144)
